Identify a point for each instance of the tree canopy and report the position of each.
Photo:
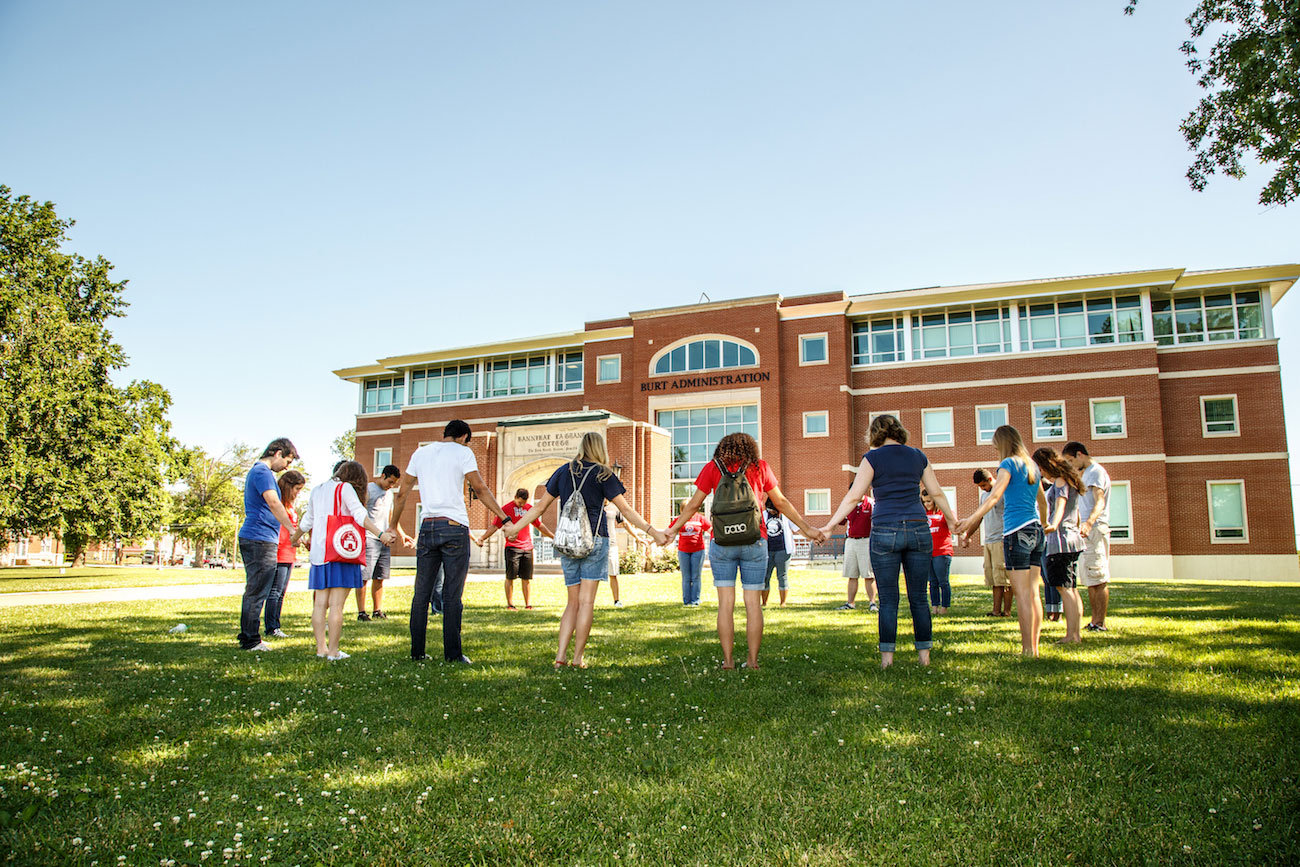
(1252, 76)
(79, 455)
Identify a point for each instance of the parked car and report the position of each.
(218, 563)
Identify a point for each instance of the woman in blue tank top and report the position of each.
(1023, 542)
(900, 529)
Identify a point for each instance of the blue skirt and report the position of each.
(334, 575)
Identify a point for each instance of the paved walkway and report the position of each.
(178, 591)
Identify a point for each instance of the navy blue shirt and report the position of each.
(896, 483)
(594, 492)
(260, 523)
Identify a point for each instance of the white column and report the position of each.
(1266, 304)
(1148, 323)
(1015, 326)
(907, 336)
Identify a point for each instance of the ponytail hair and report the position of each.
(1009, 444)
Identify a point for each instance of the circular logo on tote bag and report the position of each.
(347, 541)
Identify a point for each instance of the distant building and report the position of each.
(1169, 377)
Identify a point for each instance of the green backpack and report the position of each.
(735, 509)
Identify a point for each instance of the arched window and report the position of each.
(704, 353)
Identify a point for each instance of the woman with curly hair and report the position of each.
(333, 581)
(1064, 542)
(737, 455)
(900, 530)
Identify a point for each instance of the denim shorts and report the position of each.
(1024, 548)
(749, 560)
(590, 568)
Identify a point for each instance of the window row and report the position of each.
(1078, 322)
(499, 377)
(1219, 417)
(706, 354)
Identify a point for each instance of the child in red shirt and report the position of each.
(941, 564)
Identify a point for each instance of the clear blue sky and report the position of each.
(297, 187)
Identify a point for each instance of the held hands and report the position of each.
(476, 540)
(388, 537)
(659, 536)
(511, 531)
(407, 541)
(819, 535)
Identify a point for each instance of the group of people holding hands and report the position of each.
(1040, 526)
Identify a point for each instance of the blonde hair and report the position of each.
(592, 451)
(1008, 442)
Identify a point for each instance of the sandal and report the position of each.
(560, 663)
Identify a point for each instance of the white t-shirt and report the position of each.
(379, 504)
(320, 505)
(1095, 477)
(440, 470)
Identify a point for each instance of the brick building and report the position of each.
(1170, 378)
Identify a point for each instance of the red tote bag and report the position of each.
(345, 539)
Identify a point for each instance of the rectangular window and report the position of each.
(695, 433)
(1049, 421)
(1094, 322)
(1227, 511)
(444, 384)
(960, 333)
(383, 457)
(936, 426)
(878, 341)
(987, 420)
(1219, 416)
(1211, 318)
(816, 424)
(817, 502)
(510, 376)
(1107, 417)
(1121, 512)
(382, 395)
(812, 349)
(609, 368)
(568, 371)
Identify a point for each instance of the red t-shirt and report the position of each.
(940, 535)
(524, 541)
(859, 520)
(691, 537)
(287, 553)
(758, 475)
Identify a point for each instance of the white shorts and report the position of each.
(1094, 562)
(857, 558)
(613, 558)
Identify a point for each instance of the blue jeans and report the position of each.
(940, 589)
(691, 564)
(776, 561)
(275, 599)
(905, 544)
(593, 567)
(750, 561)
(443, 548)
(259, 575)
(1051, 595)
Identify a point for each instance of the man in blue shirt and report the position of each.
(259, 537)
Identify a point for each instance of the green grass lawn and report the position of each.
(24, 579)
(1170, 740)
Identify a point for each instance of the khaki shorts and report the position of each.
(995, 570)
(1094, 562)
(857, 558)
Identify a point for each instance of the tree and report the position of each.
(1253, 104)
(77, 453)
(209, 505)
(345, 445)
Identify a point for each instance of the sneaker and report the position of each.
(259, 647)
(378, 615)
(618, 604)
(873, 608)
(279, 633)
(340, 655)
(363, 617)
(1095, 627)
(511, 608)
(464, 660)
(847, 606)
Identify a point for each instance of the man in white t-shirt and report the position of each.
(1094, 526)
(440, 470)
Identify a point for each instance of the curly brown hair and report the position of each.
(886, 427)
(352, 473)
(736, 449)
